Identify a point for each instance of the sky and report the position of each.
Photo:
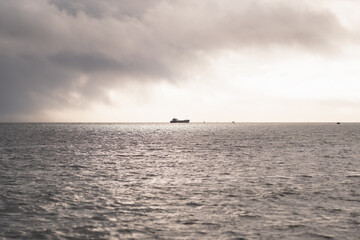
(205, 60)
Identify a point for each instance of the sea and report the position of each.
(179, 181)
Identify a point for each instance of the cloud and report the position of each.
(109, 8)
(62, 53)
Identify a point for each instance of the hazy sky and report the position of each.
(207, 60)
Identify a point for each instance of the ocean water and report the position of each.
(180, 181)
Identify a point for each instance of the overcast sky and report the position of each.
(207, 60)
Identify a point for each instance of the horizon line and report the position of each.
(150, 122)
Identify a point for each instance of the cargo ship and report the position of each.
(175, 120)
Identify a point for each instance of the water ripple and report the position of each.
(192, 181)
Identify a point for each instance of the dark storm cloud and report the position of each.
(52, 49)
(98, 63)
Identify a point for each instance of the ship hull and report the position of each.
(179, 121)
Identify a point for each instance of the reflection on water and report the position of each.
(192, 181)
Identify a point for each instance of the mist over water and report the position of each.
(179, 181)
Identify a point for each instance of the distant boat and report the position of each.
(338, 123)
(175, 120)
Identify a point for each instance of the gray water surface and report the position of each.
(179, 181)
